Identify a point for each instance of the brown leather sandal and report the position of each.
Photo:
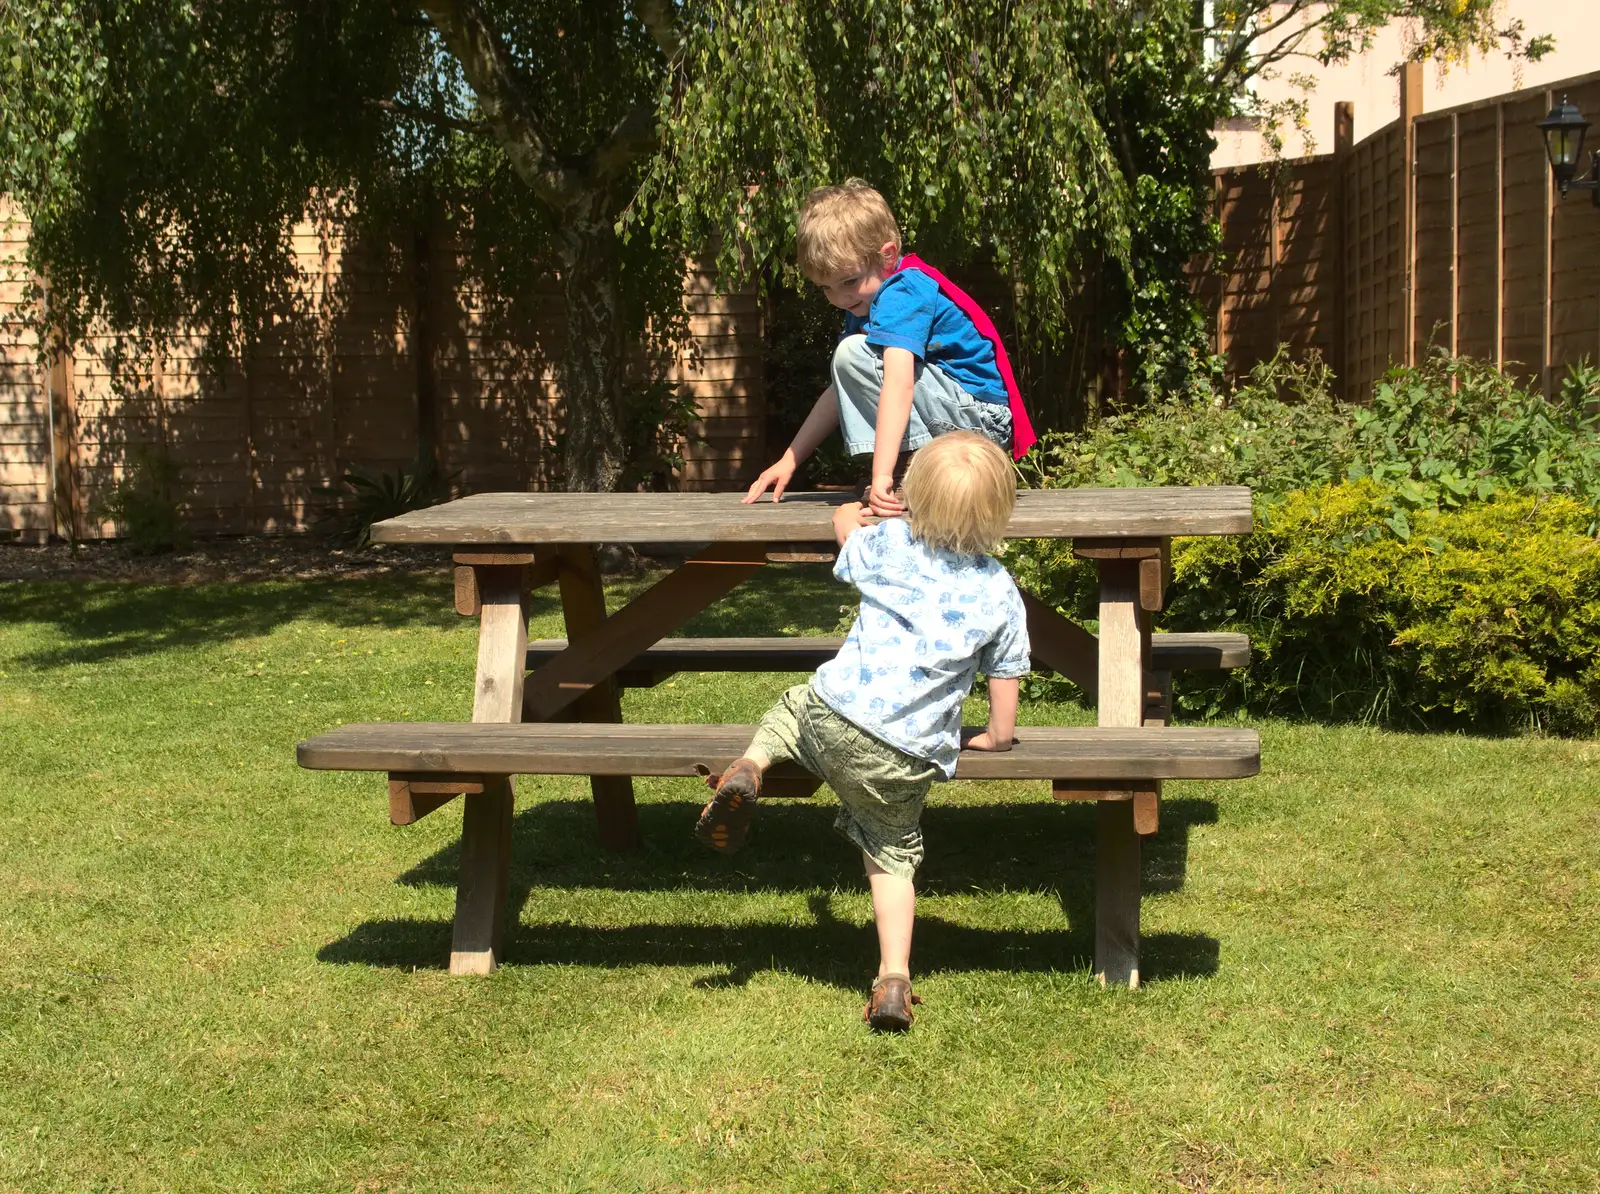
(889, 1008)
(725, 822)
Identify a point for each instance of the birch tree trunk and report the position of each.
(582, 193)
(591, 369)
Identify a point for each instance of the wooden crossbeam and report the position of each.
(592, 657)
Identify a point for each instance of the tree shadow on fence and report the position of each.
(1043, 848)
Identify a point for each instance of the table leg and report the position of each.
(1124, 651)
(1157, 712)
(583, 604)
(486, 822)
(481, 891)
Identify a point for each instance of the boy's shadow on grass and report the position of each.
(1036, 847)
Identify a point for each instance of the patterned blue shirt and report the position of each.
(930, 620)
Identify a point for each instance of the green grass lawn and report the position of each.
(1374, 967)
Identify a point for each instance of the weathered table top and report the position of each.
(532, 518)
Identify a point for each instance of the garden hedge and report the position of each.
(1486, 616)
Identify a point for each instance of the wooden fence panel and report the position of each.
(24, 395)
(1434, 289)
(1374, 249)
(1525, 241)
(335, 381)
(1477, 234)
(1496, 267)
(1246, 325)
(1304, 285)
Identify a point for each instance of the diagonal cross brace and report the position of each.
(592, 658)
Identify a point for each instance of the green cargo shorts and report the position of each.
(881, 788)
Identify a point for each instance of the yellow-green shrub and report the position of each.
(1487, 615)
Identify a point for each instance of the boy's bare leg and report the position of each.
(894, 909)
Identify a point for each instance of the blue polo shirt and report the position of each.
(909, 312)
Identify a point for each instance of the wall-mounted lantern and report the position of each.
(1563, 140)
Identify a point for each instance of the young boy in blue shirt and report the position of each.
(912, 364)
(882, 720)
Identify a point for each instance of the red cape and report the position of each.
(1022, 436)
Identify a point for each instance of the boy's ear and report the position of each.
(890, 253)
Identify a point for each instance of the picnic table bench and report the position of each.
(563, 717)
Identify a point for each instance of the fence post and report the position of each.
(1547, 181)
(1500, 235)
(1344, 140)
(1410, 109)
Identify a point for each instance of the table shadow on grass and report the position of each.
(105, 620)
(989, 849)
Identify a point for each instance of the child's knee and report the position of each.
(857, 364)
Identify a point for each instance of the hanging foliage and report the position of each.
(163, 149)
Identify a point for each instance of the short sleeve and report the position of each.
(902, 313)
(860, 555)
(1007, 656)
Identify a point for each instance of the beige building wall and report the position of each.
(1369, 83)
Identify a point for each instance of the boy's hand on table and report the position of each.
(776, 478)
(882, 498)
(846, 520)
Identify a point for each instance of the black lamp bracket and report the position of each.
(1591, 182)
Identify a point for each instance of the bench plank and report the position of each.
(1175, 652)
(801, 518)
(583, 748)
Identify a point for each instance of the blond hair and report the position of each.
(843, 228)
(959, 493)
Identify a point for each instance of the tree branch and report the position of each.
(658, 17)
(424, 116)
(1244, 37)
(491, 74)
(1124, 147)
(633, 138)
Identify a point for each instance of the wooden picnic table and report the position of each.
(508, 544)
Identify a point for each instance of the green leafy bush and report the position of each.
(372, 497)
(1427, 560)
(1279, 431)
(1441, 433)
(1455, 429)
(658, 423)
(147, 503)
(1486, 616)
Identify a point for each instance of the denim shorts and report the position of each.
(938, 404)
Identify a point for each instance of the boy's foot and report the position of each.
(725, 822)
(889, 1009)
(901, 463)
